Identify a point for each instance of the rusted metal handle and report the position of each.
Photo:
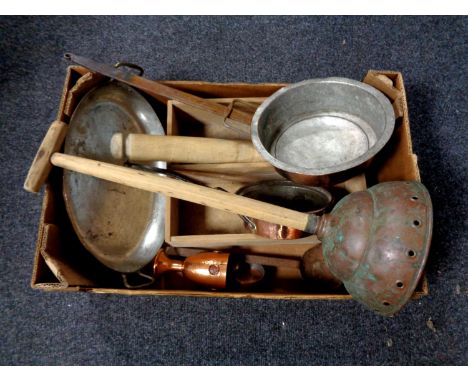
(128, 285)
(249, 222)
(158, 90)
(130, 65)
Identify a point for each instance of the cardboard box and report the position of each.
(62, 263)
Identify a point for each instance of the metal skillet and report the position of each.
(123, 227)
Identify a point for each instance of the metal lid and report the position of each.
(122, 227)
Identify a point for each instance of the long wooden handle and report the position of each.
(41, 166)
(177, 149)
(185, 191)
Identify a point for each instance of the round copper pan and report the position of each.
(284, 193)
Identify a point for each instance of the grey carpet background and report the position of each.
(84, 329)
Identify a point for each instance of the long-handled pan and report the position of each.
(375, 241)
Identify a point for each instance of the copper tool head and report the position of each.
(205, 268)
(377, 242)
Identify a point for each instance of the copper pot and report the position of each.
(286, 194)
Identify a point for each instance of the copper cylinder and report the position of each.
(275, 231)
(206, 268)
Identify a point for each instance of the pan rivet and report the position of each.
(213, 269)
(399, 284)
(416, 223)
(411, 253)
(414, 198)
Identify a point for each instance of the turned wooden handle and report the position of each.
(41, 166)
(177, 149)
(186, 191)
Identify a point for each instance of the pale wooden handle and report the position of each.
(177, 149)
(41, 166)
(186, 191)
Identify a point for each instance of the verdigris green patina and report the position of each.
(377, 241)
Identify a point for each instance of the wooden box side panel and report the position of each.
(396, 161)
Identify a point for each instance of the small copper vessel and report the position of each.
(205, 268)
(286, 194)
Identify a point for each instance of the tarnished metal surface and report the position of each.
(123, 227)
(315, 270)
(286, 194)
(377, 242)
(247, 274)
(315, 131)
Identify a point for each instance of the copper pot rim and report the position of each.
(322, 192)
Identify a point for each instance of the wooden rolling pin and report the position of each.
(47, 155)
(178, 149)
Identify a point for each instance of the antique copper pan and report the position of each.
(313, 200)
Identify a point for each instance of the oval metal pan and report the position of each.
(121, 226)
